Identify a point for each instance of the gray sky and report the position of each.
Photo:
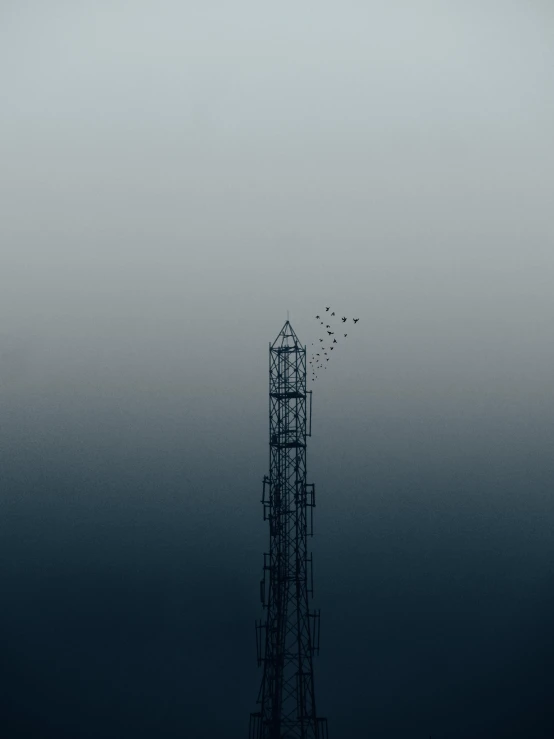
(175, 176)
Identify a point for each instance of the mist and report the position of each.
(176, 177)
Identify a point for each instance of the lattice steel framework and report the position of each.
(288, 638)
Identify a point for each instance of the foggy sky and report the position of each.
(174, 177)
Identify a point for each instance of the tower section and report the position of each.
(288, 638)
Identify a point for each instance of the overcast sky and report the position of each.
(174, 177)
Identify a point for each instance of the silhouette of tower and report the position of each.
(289, 636)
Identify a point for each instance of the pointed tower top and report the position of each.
(286, 339)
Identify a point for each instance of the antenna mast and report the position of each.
(288, 638)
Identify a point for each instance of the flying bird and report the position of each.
(335, 341)
(328, 326)
(328, 308)
(321, 339)
(317, 316)
(333, 313)
(355, 320)
(332, 348)
(343, 319)
(345, 335)
(330, 333)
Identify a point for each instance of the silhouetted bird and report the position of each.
(333, 313)
(327, 360)
(355, 320)
(335, 341)
(332, 348)
(321, 339)
(328, 326)
(345, 335)
(328, 308)
(343, 319)
(317, 316)
(330, 333)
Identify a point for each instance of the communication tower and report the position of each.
(288, 637)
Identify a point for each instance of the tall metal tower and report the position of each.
(289, 636)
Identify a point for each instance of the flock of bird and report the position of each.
(320, 358)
